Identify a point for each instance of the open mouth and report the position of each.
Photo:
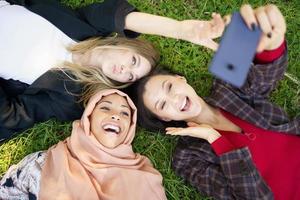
(185, 104)
(111, 128)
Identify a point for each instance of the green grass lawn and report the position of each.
(184, 58)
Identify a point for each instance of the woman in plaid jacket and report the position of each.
(237, 145)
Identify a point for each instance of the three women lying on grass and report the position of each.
(95, 162)
(237, 144)
(47, 59)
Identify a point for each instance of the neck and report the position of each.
(213, 117)
(208, 115)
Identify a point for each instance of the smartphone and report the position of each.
(236, 51)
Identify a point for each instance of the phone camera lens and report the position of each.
(230, 67)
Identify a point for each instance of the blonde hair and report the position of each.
(93, 78)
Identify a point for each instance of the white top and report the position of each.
(29, 44)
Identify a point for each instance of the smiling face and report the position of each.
(120, 64)
(111, 120)
(169, 97)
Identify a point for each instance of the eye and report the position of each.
(163, 105)
(130, 77)
(133, 60)
(170, 87)
(125, 113)
(104, 108)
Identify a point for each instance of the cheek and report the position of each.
(127, 124)
(97, 131)
(170, 113)
(173, 114)
(106, 69)
(95, 119)
(94, 127)
(143, 70)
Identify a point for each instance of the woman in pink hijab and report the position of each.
(95, 162)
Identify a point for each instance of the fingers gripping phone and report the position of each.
(236, 51)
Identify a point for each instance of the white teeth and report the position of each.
(183, 104)
(112, 127)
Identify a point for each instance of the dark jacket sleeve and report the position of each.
(98, 19)
(229, 176)
(53, 95)
(261, 80)
(251, 102)
(108, 16)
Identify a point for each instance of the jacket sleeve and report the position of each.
(229, 176)
(97, 19)
(251, 102)
(108, 16)
(36, 105)
(261, 80)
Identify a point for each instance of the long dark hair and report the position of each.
(146, 118)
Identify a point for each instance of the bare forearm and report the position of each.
(152, 24)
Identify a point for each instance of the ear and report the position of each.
(181, 78)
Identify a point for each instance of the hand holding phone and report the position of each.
(236, 51)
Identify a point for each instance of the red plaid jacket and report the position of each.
(233, 175)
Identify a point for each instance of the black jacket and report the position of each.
(54, 94)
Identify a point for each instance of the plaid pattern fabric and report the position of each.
(233, 174)
(251, 103)
(229, 176)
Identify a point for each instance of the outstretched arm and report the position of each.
(195, 31)
(101, 19)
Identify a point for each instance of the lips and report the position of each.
(116, 69)
(111, 128)
(185, 104)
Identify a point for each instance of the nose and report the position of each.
(172, 98)
(124, 68)
(115, 117)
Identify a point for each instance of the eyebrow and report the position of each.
(106, 102)
(163, 84)
(125, 106)
(138, 60)
(111, 103)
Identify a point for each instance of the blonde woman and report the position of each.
(50, 54)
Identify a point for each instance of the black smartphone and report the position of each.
(236, 51)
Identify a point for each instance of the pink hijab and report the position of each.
(81, 168)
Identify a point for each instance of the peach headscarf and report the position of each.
(81, 168)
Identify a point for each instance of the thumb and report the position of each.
(262, 44)
(227, 19)
(209, 43)
(192, 124)
(206, 126)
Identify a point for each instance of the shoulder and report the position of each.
(57, 81)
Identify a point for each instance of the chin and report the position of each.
(195, 112)
(110, 146)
